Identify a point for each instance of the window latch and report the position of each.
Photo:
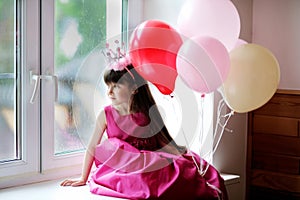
(37, 80)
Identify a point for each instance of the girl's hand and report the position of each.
(73, 183)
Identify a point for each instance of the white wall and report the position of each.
(166, 10)
(276, 26)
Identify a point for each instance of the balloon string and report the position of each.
(189, 150)
(201, 138)
(217, 137)
(219, 124)
(217, 189)
(200, 166)
(202, 122)
(199, 169)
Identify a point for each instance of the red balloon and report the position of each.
(153, 50)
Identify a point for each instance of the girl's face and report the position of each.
(119, 94)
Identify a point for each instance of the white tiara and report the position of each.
(116, 60)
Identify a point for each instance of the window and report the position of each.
(79, 27)
(9, 143)
(48, 69)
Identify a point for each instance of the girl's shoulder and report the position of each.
(107, 108)
(101, 119)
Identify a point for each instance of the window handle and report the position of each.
(37, 80)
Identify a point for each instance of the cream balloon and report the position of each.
(253, 78)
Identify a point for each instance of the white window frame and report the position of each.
(38, 162)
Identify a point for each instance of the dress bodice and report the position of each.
(132, 128)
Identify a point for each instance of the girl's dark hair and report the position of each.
(142, 100)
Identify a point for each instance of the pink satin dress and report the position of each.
(129, 165)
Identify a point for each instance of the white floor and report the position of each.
(51, 190)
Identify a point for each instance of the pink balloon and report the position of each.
(203, 63)
(215, 18)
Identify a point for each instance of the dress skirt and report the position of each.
(126, 172)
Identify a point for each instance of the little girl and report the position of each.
(140, 160)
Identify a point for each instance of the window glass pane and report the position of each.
(8, 134)
(79, 27)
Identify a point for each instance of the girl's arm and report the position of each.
(89, 154)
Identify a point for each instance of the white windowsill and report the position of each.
(51, 190)
(230, 178)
